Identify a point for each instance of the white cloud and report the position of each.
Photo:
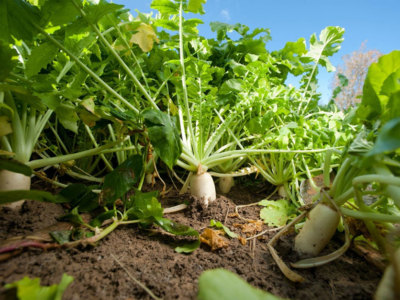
(225, 14)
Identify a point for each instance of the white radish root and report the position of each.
(389, 286)
(203, 188)
(317, 231)
(282, 192)
(149, 178)
(225, 184)
(14, 181)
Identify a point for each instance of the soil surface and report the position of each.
(149, 256)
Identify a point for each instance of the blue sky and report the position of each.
(374, 21)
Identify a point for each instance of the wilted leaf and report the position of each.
(213, 239)
(145, 37)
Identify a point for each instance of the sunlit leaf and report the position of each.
(145, 37)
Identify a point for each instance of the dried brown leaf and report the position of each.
(250, 228)
(213, 239)
(242, 240)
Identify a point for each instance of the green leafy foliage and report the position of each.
(40, 57)
(73, 217)
(118, 182)
(381, 90)
(15, 166)
(165, 7)
(163, 135)
(61, 236)
(218, 224)
(388, 138)
(196, 6)
(276, 212)
(30, 289)
(17, 20)
(221, 284)
(98, 11)
(99, 219)
(329, 42)
(144, 206)
(12, 196)
(175, 228)
(81, 196)
(7, 59)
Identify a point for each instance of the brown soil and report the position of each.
(149, 256)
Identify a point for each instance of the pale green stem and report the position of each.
(39, 163)
(90, 134)
(184, 88)
(370, 216)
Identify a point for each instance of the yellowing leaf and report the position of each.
(276, 212)
(144, 37)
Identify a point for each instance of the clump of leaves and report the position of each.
(123, 203)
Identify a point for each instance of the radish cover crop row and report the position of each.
(113, 100)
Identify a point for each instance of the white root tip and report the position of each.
(203, 188)
(282, 192)
(14, 181)
(317, 231)
(225, 184)
(149, 178)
